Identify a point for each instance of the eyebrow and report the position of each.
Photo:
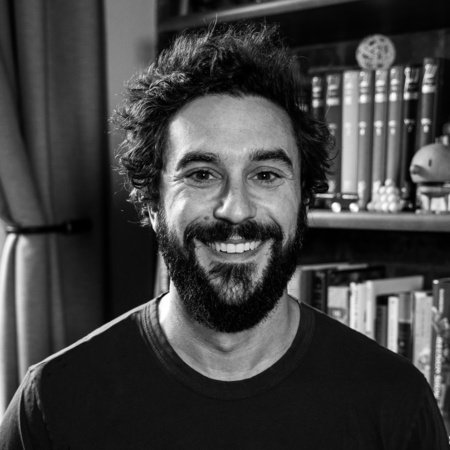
(196, 156)
(256, 155)
(271, 155)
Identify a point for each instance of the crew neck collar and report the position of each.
(206, 386)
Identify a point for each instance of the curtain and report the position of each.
(53, 163)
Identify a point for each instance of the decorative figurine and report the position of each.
(375, 52)
(430, 170)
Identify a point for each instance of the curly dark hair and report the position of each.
(236, 60)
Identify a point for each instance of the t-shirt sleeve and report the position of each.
(23, 425)
(428, 430)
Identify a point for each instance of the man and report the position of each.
(223, 164)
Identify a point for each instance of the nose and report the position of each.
(235, 205)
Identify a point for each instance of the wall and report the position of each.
(131, 43)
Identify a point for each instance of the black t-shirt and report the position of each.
(124, 387)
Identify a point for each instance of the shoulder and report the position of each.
(59, 390)
(93, 352)
(356, 357)
(378, 387)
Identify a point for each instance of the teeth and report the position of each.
(234, 248)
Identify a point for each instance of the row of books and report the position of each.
(397, 312)
(379, 119)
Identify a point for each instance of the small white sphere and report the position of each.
(394, 207)
(385, 207)
(392, 198)
(336, 207)
(353, 207)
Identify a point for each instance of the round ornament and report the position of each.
(375, 52)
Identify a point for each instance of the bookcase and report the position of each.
(325, 33)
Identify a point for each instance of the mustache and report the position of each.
(222, 231)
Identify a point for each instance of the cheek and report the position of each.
(183, 210)
(285, 212)
(286, 204)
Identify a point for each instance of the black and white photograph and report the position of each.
(225, 224)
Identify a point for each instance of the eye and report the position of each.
(268, 177)
(201, 177)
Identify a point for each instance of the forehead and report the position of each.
(231, 127)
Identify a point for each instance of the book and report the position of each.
(381, 319)
(356, 295)
(434, 107)
(293, 286)
(338, 303)
(320, 279)
(327, 278)
(300, 286)
(379, 139)
(339, 282)
(365, 125)
(333, 116)
(440, 336)
(349, 162)
(318, 96)
(395, 103)
(357, 307)
(408, 137)
(404, 325)
(392, 322)
(384, 286)
(422, 323)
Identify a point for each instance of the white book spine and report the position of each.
(370, 311)
(353, 306)
(293, 286)
(392, 328)
(422, 323)
(349, 161)
(357, 307)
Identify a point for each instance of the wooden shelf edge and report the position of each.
(380, 222)
(244, 12)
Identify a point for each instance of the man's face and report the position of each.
(229, 221)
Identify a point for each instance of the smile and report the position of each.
(240, 247)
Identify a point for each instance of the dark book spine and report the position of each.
(381, 319)
(333, 116)
(405, 320)
(319, 290)
(365, 125)
(379, 129)
(318, 97)
(408, 139)
(396, 76)
(434, 105)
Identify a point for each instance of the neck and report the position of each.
(229, 356)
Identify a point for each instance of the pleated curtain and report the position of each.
(53, 169)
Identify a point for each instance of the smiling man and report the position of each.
(223, 163)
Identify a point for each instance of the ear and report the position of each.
(153, 216)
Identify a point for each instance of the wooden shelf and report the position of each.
(380, 222)
(245, 12)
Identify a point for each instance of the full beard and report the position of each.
(226, 297)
